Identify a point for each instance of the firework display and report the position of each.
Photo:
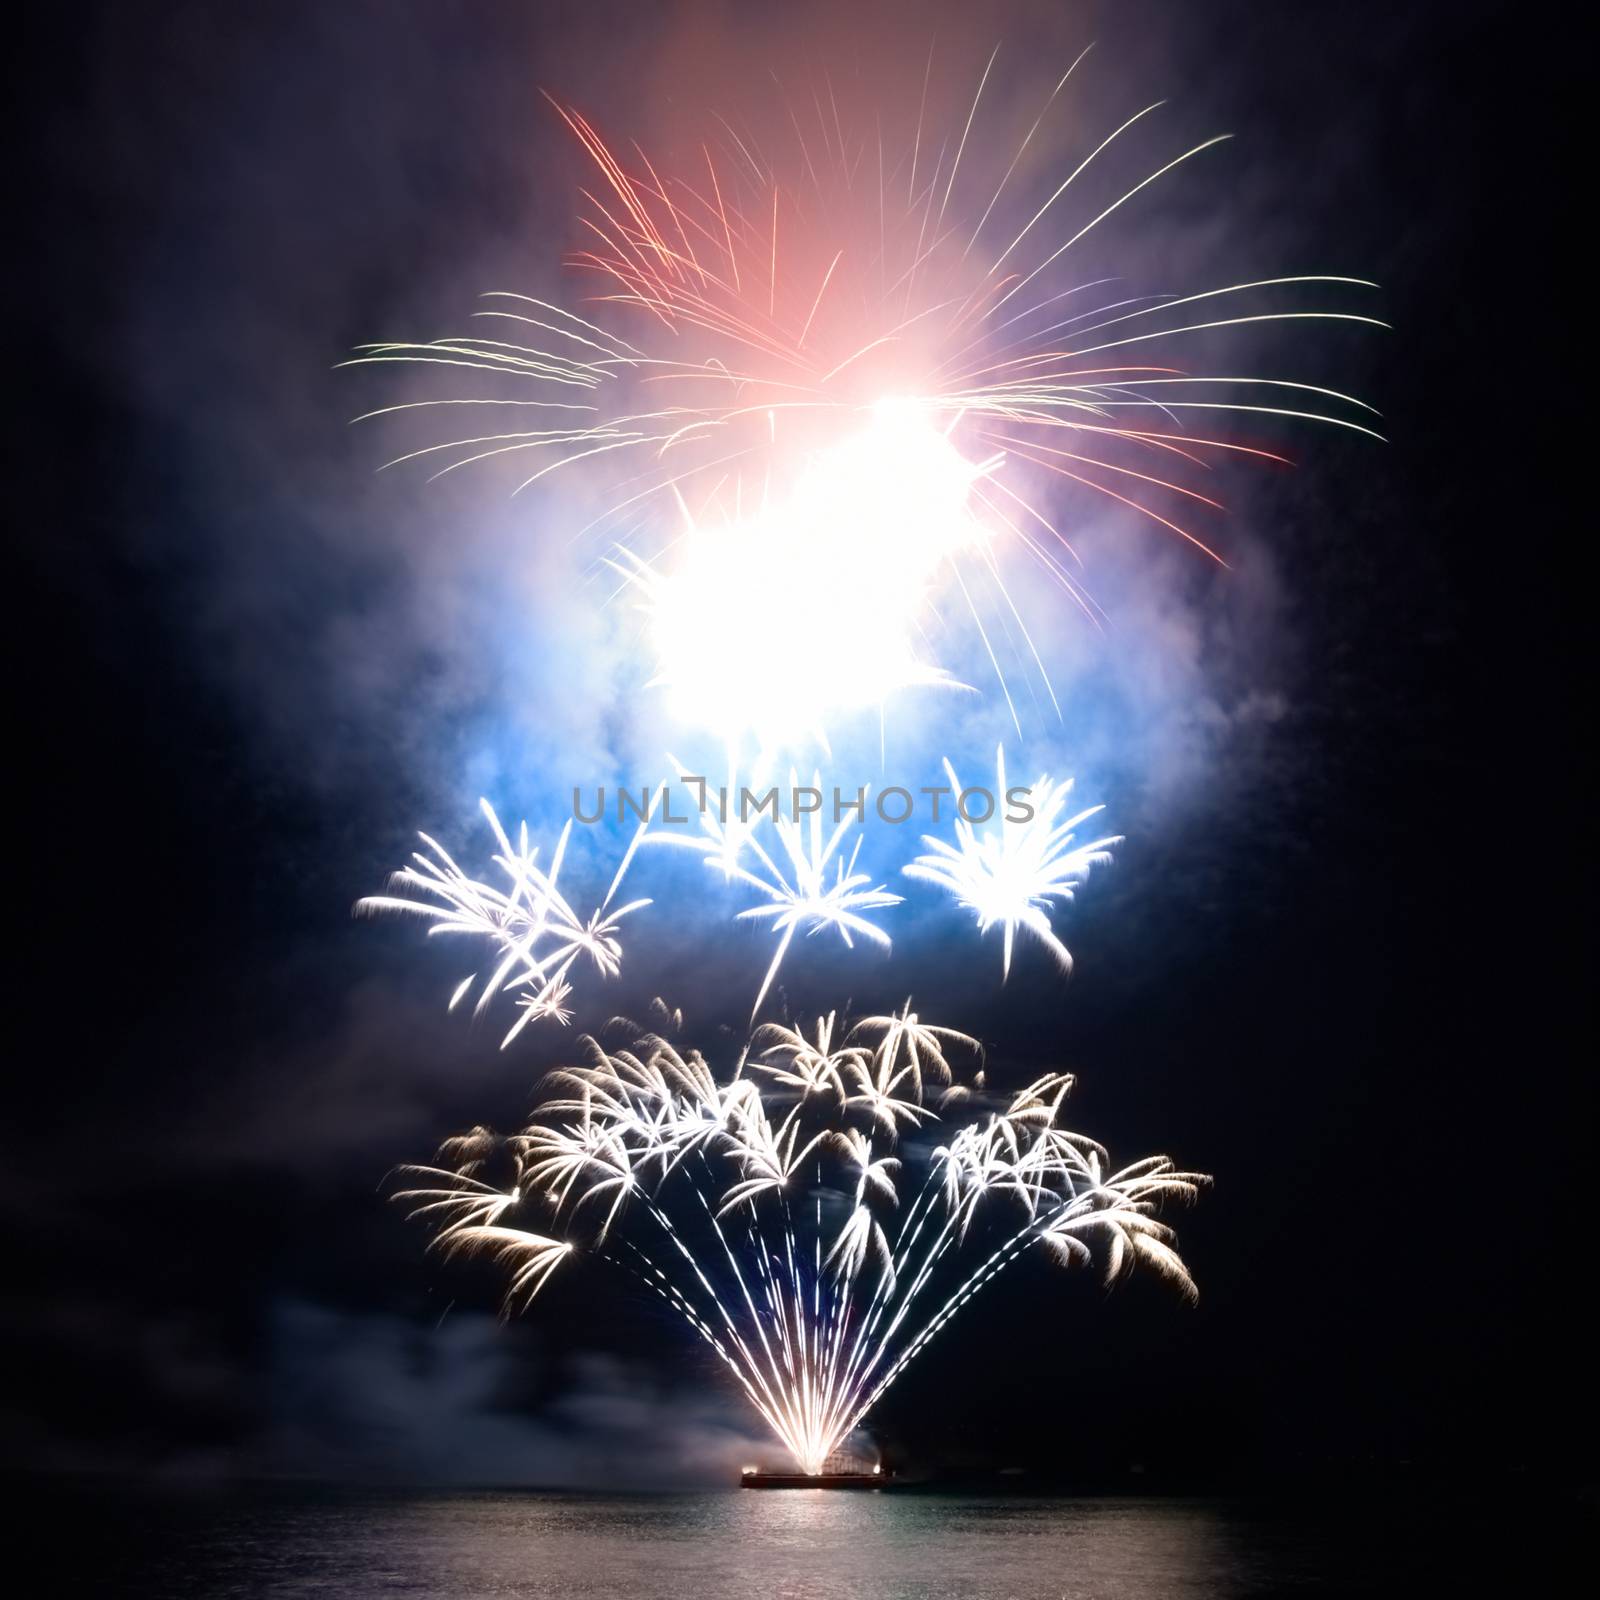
(828, 387)
(827, 391)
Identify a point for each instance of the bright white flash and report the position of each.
(776, 618)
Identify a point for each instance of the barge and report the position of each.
(836, 1474)
(823, 1480)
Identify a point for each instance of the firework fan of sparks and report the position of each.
(811, 1215)
(822, 369)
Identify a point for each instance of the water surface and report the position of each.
(777, 1545)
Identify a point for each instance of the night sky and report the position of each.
(1339, 964)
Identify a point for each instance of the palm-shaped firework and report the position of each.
(1006, 870)
(1011, 869)
(530, 923)
(798, 1224)
(808, 882)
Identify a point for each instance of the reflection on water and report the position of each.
(778, 1545)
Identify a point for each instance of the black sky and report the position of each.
(1353, 982)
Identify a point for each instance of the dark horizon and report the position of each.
(1339, 965)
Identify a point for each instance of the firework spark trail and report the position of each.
(1010, 867)
(838, 386)
(834, 1308)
